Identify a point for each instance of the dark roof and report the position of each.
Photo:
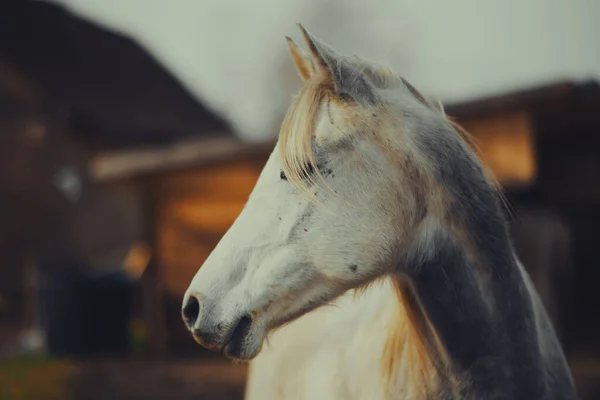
(112, 89)
(544, 99)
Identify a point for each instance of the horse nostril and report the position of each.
(190, 311)
(241, 329)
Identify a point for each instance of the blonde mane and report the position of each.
(297, 131)
(413, 348)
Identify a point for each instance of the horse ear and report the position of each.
(303, 62)
(323, 54)
(346, 78)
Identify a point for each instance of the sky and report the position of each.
(232, 54)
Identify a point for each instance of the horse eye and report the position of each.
(282, 175)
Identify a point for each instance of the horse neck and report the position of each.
(464, 293)
(472, 313)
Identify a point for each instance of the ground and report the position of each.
(39, 378)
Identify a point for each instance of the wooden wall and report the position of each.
(506, 145)
(197, 207)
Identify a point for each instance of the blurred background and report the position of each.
(132, 132)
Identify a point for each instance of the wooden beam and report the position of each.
(540, 97)
(185, 154)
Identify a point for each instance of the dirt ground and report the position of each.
(91, 380)
(37, 378)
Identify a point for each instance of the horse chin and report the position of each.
(245, 342)
(242, 348)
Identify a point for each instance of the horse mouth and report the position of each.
(236, 346)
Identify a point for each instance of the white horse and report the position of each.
(372, 204)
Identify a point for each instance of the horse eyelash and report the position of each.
(309, 171)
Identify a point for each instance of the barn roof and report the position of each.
(114, 92)
(543, 99)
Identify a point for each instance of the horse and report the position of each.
(372, 259)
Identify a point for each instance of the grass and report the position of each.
(34, 378)
(37, 377)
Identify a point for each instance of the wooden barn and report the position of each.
(103, 154)
(70, 90)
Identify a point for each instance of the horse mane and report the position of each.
(465, 137)
(413, 346)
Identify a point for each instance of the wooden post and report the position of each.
(152, 285)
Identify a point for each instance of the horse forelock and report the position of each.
(297, 132)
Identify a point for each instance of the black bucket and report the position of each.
(86, 314)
